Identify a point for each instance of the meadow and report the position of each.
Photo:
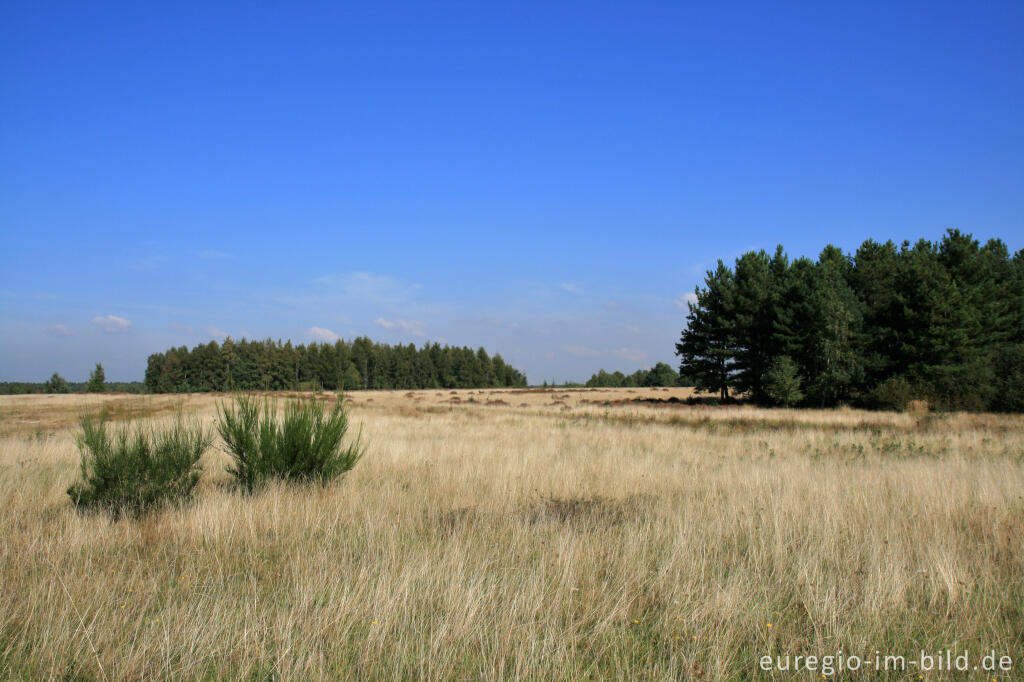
(528, 534)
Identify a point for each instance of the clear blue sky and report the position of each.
(545, 179)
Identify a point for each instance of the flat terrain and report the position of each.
(536, 535)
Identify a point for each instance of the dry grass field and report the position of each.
(540, 535)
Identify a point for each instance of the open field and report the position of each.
(538, 535)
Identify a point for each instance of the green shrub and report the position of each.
(897, 392)
(304, 445)
(782, 383)
(137, 469)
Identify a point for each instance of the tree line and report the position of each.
(936, 321)
(63, 386)
(344, 365)
(97, 383)
(661, 374)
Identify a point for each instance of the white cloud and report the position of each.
(571, 288)
(632, 329)
(630, 354)
(321, 334)
(611, 305)
(57, 330)
(581, 351)
(216, 333)
(213, 254)
(682, 301)
(112, 324)
(414, 327)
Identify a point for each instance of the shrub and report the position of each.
(893, 394)
(782, 383)
(138, 469)
(305, 445)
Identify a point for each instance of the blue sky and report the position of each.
(548, 180)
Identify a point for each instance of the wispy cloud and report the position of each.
(630, 354)
(215, 333)
(611, 305)
(322, 334)
(213, 254)
(378, 289)
(112, 324)
(57, 330)
(571, 287)
(414, 327)
(682, 301)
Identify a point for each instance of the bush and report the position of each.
(782, 383)
(895, 393)
(305, 445)
(138, 469)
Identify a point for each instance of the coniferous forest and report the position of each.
(344, 365)
(939, 322)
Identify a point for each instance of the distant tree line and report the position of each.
(343, 365)
(661, 374)
(97, 383)
(941, 322)
(49, 386)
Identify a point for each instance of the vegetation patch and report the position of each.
(306, 444)
(137, 469)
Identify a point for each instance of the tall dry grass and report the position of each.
(534, 542)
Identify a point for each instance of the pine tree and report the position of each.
(97, 380)
(56, 384)
(352, 381)
(782, 382)
(836, 340)
(755, 301)
(875, 280)
(706, 350)
(229, 359)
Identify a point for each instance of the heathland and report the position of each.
(525, 534)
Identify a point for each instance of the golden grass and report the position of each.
(527, 541)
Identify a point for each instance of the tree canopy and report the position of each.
(942, 322)
(343, 365)
(97, 380)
